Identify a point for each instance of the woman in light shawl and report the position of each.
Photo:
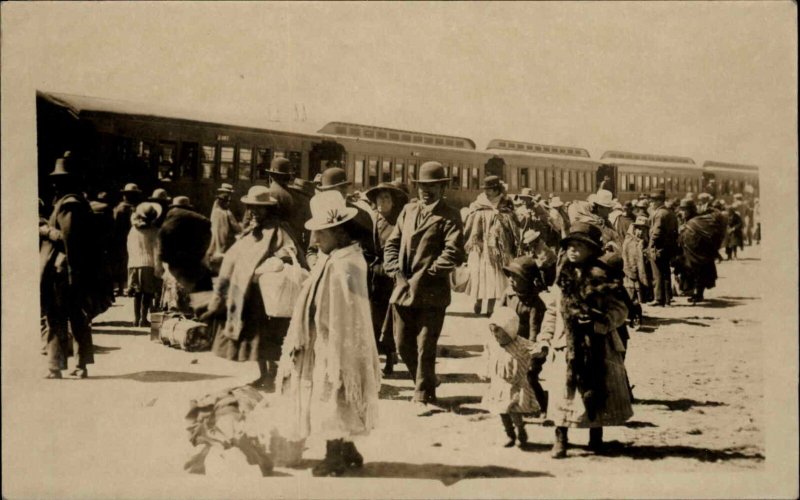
(329, 374)
(491, 233)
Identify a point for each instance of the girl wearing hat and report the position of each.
(635, 277)
(142, 283)
(329, 374)
(250, 334)
(490, 232)
(589, 384)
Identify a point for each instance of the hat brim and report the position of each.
(525, 197)
(127, 191)
(319, 224)
(333, 186)
(430, 181)
(256, 203)
(556, 204)
(583, 239)
(397, 193)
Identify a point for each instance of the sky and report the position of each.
(709, 80)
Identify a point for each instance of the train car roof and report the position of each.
(370, 132)
(78, 105)
(719, 165)
(649, 160)
(536, 149)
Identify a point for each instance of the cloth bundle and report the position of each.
(182, 333)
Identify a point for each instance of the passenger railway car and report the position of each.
(630, 174)
(723, 180)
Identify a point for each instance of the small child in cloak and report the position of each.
(509, 359)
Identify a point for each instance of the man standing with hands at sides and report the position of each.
(662, 246)
(426, 245)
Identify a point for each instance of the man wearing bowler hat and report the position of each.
(294, 207)
(426, 245)
(68, 272)
(224, 226)
(662, 246)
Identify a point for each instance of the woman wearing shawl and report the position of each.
(250, 334)
(699, 240)
(224, 226)
(588, 382)
(329, 374)
(490, 232)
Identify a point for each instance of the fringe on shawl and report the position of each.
(501, 237)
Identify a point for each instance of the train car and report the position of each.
(723, 180)
(565, 171)
(630, 174)
(377, 154)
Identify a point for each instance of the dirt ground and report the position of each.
(697, 372)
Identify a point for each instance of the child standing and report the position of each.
(141, 260)
(635, 280)
(589, 385)
(509, 361)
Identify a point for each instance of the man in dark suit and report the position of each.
(295, 209)
(427, 244)
(662, 246)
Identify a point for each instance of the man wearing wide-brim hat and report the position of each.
(68, 262)
(663, 245)
(426, 246)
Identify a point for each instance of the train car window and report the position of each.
(456, 182)
(296, 161)
(623, 182)
(394, 137)
(207, 162)
(167, 156)
(386, 171)
(581, 182)
(354, 131)
(428, 140)
(368, 133)
(474, 180)
(245, 163)
(380, 135)
(523, 177)
(372, 175)
(406, 138)
(399, 171)
(417, 138)
(412, 170)
(502, 144)
(358, 168)
(465, 177)
(460, 144)
(188, 162)
(264, 157)
(448, 142)
(226, 162)
(341, 130)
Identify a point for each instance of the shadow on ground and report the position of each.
(394, 393)
(128, 324)
(677, 404)
(99, 349)
(459, 351)
(461, 314)
(653, 452)
(161, 376)
(127, 329)
(456, 404)
(650, 323)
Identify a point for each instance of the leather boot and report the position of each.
(334, 464)
(351, 455)
(522, 435)
(560, 446)
(596, 439)
(509, 427)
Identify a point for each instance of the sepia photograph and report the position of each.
(399, 250)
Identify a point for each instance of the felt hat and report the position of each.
(556, 202)
(491, 182)
(131, 188)
(329, 209)
(160, 194)
(658, 194)
(280, 167)
(641, 221)
(431, 172)
(259, 196)
(63, 167)
(332, 178)
(303, 186)
(506, 319)
(586, 233)
(525, 267)
(394, 188)
(225, 188)
(526, 194)
(604, 198)
(181, 201)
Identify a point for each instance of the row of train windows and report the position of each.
(554, 179)
(190, 160)
(732, 186)
(540, 149)
(397, 136)
(641, 183)
(370, 171)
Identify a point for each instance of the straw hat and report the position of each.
(556, 202)
(604, 198)
(329, 209)
(160, 194)
(259, 196)
(131, 188)
(225, 188)
(181, 201)
(526, 194)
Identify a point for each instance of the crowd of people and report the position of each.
(351, 276)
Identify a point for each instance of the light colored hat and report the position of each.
(131, 188)
(147, 212)
(329, 209)
(259, 195)
(641, 221)
(181, 201)
(526, 193)
(225, 188)
(616, 205)
(160, 194)
(604, 198)
(556, 202)
(738, 196)
(704, 197)
(507, 319)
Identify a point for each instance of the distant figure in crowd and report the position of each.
(662, 246)
(103, 228)
(589, 386)
(595, 211)
(250, 334)
(68, 261)
(509, 359)
(142, 260)
(636, 280)
(733, 237)
(757, 221)
(131, 195)
(619, 221)
(389, 199)
(161, 196)
(294, 205)
(427, 244)
(329, 375)
(491, 234)
(224, 226)
(558, 217)
(699, 242)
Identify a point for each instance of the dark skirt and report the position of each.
(261, 338)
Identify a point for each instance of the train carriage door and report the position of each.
(323, 155)
(606, 178)
(495, 166)
(709, 184)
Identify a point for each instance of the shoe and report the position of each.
(509, 428)
(477, 308)
(421, 409)
(522, 436)
(144, 323)
(79, 373)
(560, 446)
(351, 455)
(53, 374)
(333, 464)
(596, 439)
